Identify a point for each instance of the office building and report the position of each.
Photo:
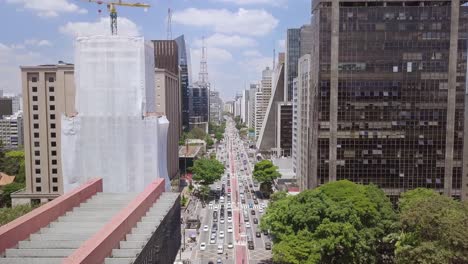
(294, 124)
(199, 106)
(167, 103)
(251, 120)
(389, 92)
(11, 131)
(6, 106)
(245, 106)
(293, 48)
(284, 129)
(168, 97)
(262, 97)
(238, 105)
(16, 103)
(229, 107)
(48, 93)
(185, 79)
(216, 107)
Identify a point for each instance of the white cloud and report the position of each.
(253, 22)
(282, 44)
(252, 53)
(222, 40)
(11, 57)
(254, 2)
(100, 27)
(38, 42)
(49, 8)
(257, 64)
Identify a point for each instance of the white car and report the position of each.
(213, 240)
(210, 204)
(247, 225)
(221, 220)
(260, 210)
(220, 249)
(230, 245)
(205, 228)
(228, 206)
(229, 219)
(203, 246)
(221, 234)
(229, 229)
(216, 207)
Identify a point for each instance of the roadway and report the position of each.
(239, 190)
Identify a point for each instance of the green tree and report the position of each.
(219, 136)
(13, 164)
(9, 214)
(7, 190)
(206, 172)
(197, 133)
(265, 173)
(339, 222)
(209, 141)
(434, 229)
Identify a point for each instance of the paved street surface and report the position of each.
(228, 222)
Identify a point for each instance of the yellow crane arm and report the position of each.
(120, 3)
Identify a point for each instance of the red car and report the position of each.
(229, 189)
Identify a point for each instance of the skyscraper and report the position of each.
(389, 91)
(216, 110)
(293, 49)
(262, 97)
(185, 79)
(245, 106)
(253, 89)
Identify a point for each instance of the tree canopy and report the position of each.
(207, 171)
(265, 171)
(339, 222)
(434, 229)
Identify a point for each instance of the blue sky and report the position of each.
(240, 34)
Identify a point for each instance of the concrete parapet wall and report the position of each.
(21, 228)
(100, 245)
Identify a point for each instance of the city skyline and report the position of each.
(238, 49)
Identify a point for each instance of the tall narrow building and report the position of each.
(262, 97)
(293, 49)
(185, 79)
(252, 91)
(390, 95)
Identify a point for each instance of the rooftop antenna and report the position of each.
(274, 58)
(169, 24)
(203, 75)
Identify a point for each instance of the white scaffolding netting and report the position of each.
(111, 136)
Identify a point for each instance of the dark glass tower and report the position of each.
(388, 84)
(184, 65)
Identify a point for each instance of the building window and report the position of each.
(54, 162)
(51, 89)
(37, 153)
(38, 188)
(34, 79)
(38, 180)
(35, 107)
(37, 162)
(53, 144)
(54, 153)
(53, 134)
(52, 125)
(51, 79)
(52, 117)
(38, 171)
(36, 135)
(36, 126)
(54, 171)
(35, 98)
(34, 89)
(52, 98)
(52, 107)
(55, 189)
(35, 116)
(36, 144)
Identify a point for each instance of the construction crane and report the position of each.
(113, 11)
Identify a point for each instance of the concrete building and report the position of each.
(48, 93)
(251, 117)
(389, 113)
(6, 106)
(11, 131)
(268, 141)
(284, 129)
(245, 106)
(294, 125)
(199, 106)
(262, 97)
(17, 103)
(168, 104)
(216, 107)
(238, 105)
(168, 97)
(229, 107)
(185, 79)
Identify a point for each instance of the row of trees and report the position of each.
(11, 163)
(265, 173)
(344, 222)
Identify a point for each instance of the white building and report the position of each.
(295, 117)
(245, 106)
(11, 130)
(262, 97)
(237, 106)
(251, 117)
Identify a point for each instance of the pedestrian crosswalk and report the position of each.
(246, 206)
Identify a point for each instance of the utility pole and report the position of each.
(169, 24)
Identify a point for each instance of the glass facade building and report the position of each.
(184, 68)
(389, 91)
(293, 51)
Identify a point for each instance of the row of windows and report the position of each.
(52, 143)
(39, 189)
(51, 98)
(52, 135)
(34, 89)
(34, 79)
